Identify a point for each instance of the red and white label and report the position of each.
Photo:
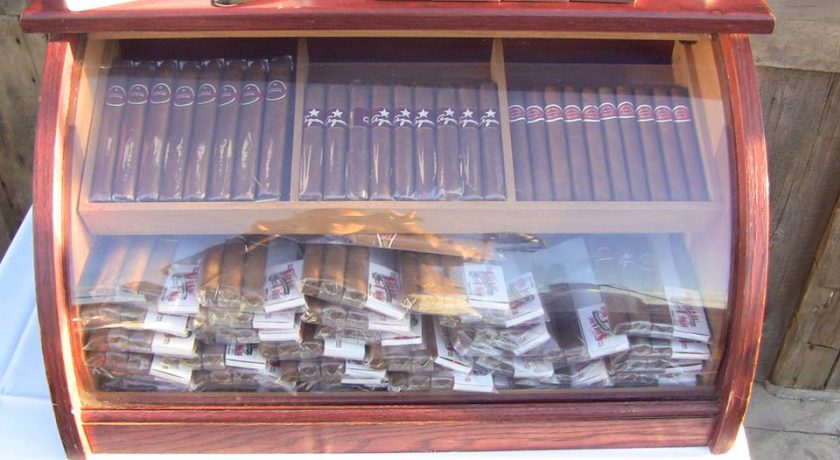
(534, 113)
(229, 95)
(553, 112)
(644, 113)
(681, 114)
(608, 111)
(572, 113)
(251, 94)
(207, 93)
(116, 96)
(626, 109)
(184, 96)
(663, 114)
(516, 113)
(591, 114)
(138, 94)
(161, 94)
(276, 90)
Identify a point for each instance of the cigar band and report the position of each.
(251, 94)
(422, 119)
(276, 90)
(386, 240)
(572, 113)
(446, 117)
(381, 117)
(336, 117)
(553, 112)
(116, 96)
(313, 117)
(184, 96)
(644, 113)
(228, 95)
(663, 114)
(681, 114)
(626, 109)
(608, 111)
(591, 114)
(206, 94)
(402, 117)
(161, 94)
(138, 94)
(467, 118)
(488, 118)
(534, 113)
(516, 113)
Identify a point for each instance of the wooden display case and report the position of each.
(515, 46)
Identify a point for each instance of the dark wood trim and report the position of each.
(752, 243)
(744, 16)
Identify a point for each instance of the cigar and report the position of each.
(336, 143)
(231, 274)
(595, 145)
(409, 270)
(561, 180)
(358, 153)
(450, 180)
(224, 143)
(425, 178)
(612, 142)
(312, 156)
(313, 263)
(403, 143)
(469, 138)
(441, 295)
(538, 145)
(107, 144)
(249, 131)
(654, 166)
(578, 158)
(519, 141)
(356, 276)
(272, 176)
(253, 279)
(690, 146)
(156, 130)
(211, 267)
(176, 148)
(131, 133)
(634, 157)
(332, 272)
(492, 158)
(108, 278)
(674, 169)
(154, 278)
(201, 139)
(136, 262)
(381, 143)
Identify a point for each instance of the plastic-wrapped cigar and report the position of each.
(612, 142)
(108, 278)
(136, 261)
(152, 283)
(561, 180)
(358, 151)
(403, 143)
(435, 292)
(409, 268)
(356, 276)
(425, 159)
(107, 143)
(634, 157)
(578, 158)
(211, 268)
(450, 178)
(538, 144)
(200, 151)
(230, 277)
(253, 276)
(273, 168)
(654, 166)
(381, 143)
(335, 147)
(313, 264)
(690, 146)
(249, 131)
(224, 142)
(492, 158)
(519, 142)
(469, 139)
(671, 155)
(598, 167)
(332, 272)
(312, 155)
(155, 131)
(173, 169)
(131, 133)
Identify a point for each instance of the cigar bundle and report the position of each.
(193, 130)
(605, 144)
(382, 142)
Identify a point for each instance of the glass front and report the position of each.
(393, 215)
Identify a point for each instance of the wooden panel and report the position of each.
(807, 36)
(749, 16)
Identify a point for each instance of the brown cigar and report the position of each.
(492, 158)
(176, 148)
(450, 180)
(253, 281)
(358, 153)
(108, 278)
(425, 178)
(356, 276)
(409, 270)
(403, 143)
(136, 262)
(595, 146)
(107, 143)
(131, 133)
(201, 139)
(684, 123)
(578, 158)
(612, 141)
(335, 148)
(312, 156)
(674, 169)
(272, 176)
(313, 264)
(561, 180)
(227, 117)
(626, 109)
(654, 167)
(519, 141)
(230, 276)
(381, 142)
(211, 267)
(154, 278)
(156, 130)
(332, 273)
(469, 138)
(538, 145)
(249, 131)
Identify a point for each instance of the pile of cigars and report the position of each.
(384, 312)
